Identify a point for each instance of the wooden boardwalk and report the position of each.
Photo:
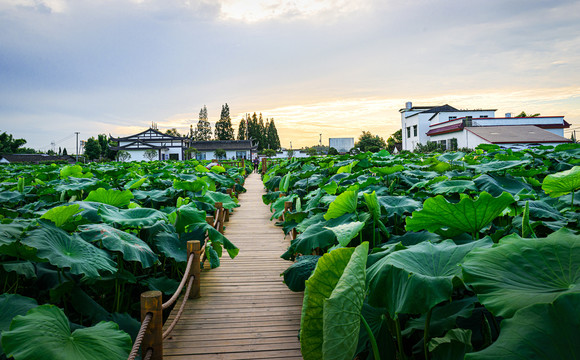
(246, 311)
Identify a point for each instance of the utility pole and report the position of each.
(77, 144)
(320, 141)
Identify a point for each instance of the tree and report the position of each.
(173, 132)
(242, 129)
(151, 154)
(262, 136)
(64, 153)
(203, 130)
(395, 138)
(59, 151)
(9, 145)
(290, 153)
(220, 153)
(223, 127)
(273, 138)
(523, 115)
(311, 151)
(190, 153)
(254, 129)
(332, 151)
(369, 142)
(92, 149)
(123, 155)
(269, 152)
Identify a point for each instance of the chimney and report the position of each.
(408, 105)
(508, 115)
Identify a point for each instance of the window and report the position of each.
(173, 156)
(200, 156)
(482, 116)
(408, 131)
(414, 130)
(452, 117)
(240, 154)
(443, 144)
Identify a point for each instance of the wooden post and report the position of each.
(219, 215)
(264, 166)
(209, 219)
(243, 163)
(151, 303)
(194, 246)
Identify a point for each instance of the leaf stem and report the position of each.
(374, 346)
(426, 334)
(399, 338)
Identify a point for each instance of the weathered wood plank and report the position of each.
(245, 311)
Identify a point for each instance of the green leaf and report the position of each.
(24, 268)
(372, 203)
(61, 214)
(297, 274)
(164, 284)
(453, 186)
(342, 310)
(562, 183)
(443, 318)
(453, 346)
(498, 165)
(11, 197)
(440, 216)
(201, 168)
(66, 251)
(218, 169)
(132, 217)
(347, 168)
(414, 280)
(132, 248)
(212, 197)
(10, 306)
(540, 331)
(53, 340)
(285, 182)
(387, 170)
(111, 197)
(134, 184)
(343, 204)
(188, 215)
(320, 287)
(399, 205)
(346, 232)
(330, 188)
(194, 186)
(521, 272)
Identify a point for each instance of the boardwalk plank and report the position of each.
(245, 312)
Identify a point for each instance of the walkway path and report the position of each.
(246, 311)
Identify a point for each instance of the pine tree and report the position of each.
(242, 130)
(273, 138)
(64, 152)
(262, 134)
(223, 127)
(203, 130)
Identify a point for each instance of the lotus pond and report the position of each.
(438, 256)
(79, 244)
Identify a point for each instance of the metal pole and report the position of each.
(77, 144)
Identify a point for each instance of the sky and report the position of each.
(330, 67)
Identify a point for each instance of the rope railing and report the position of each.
(151, 335)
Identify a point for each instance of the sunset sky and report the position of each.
(330, 67)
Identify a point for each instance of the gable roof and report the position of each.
(149, 135)
(224, 144)
(516, 134)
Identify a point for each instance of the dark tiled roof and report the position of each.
(224, 144)
(147, 137)
(438, 109)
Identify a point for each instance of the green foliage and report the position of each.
(203, 129)
(92, 149)
(151, 154)
(369, 142)
(220, 153)
(10, 145)
(223, 127)
(123, 155)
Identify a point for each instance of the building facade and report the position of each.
(234, 149)
(452, 128)
(342, 145)
(167, 147)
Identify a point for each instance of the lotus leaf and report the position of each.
(66, 251)
(61, 214)
(540, 331)
(495, 184)
(134, 184)
(398, 204)
(53, 340)
(387, 170)
(24, 268)
(414, 280)
(285, 182)
(443, 318)
(562, 183)
(187, 215)
(9, 234)
(212, 197)
(297, 274)
(132, 217)
(330, 188)
(75, 184)
(453, 186)
(453, 346)
(192, 185)
(343, 204)
(111, 197)
(346, 232)
(132, 248)
(347, 168)
(218, 169)
(168, 243)
(11, 197)
(521, 272)
(440, 216)
(164, 284)
(10, 306)
(342, 310)
(498, 165)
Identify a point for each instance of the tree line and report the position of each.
(251, 127)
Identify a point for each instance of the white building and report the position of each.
(168, 147)
(342, 145)
(235, 149)
(455, 128)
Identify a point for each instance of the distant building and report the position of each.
(168, 147)
(235, 149)
(453, 128)
(35, 158)
(342, 145)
